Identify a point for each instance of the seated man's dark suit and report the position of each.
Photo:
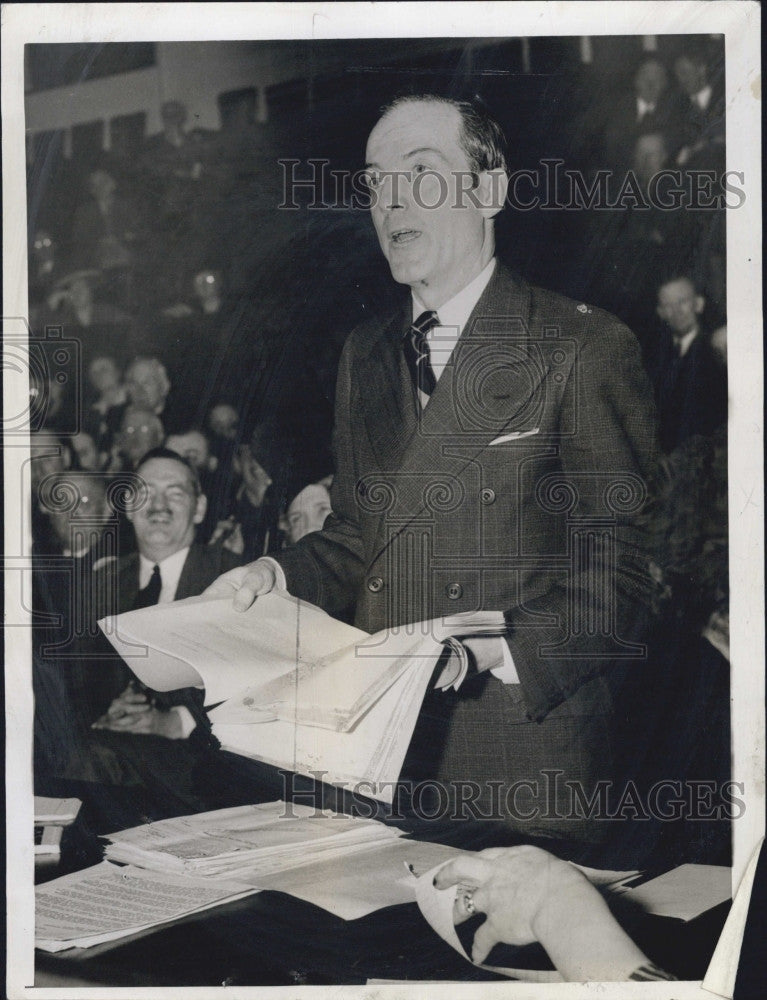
(432, 515)
(160, 772)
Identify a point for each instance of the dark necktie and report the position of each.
(417, 353)
(151, 593)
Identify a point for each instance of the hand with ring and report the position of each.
(530, 895)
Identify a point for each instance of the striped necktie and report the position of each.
(417, 352)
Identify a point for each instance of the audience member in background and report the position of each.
(102, 414)
(253, 524)
(42, 269)
(174, 164)
(51, 400)
(194, 446)
(107, 233)
(650, 107)
(689, 379)
(86, 453)
(148, 386)
(140, 431)
(530, 895)
(627, 250)
(703, 123)
(719, 342)
(223, 423)
(75, 507)
(73, 306)
(139, 726)
(49, 456)
(276, 462)
(307, 511)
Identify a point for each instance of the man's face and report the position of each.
(679, 306)
(146, 386)
(223, 421)
(307, 512)
(101, 184)
(103, 374)
(650, 82)
(85, 448)
(168, 510)
(91, 508)
(139, 432)
(438, 249)
(690, 75)
(192, 446)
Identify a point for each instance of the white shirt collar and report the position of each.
(170, 573)
(703, 97)
(453, 316)
(683, 344)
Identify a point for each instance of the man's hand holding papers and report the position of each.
(327, 697)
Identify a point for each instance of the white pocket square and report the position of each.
(514, 436)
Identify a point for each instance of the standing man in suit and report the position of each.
(492, 442)
(689, 378)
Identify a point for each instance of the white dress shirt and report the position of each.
(170, 573)
(684, 343)
(702, 98)
(453, 316)
(644, 108)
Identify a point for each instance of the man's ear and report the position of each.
(491, 189)
(200, 509)
(700, 304)
(212, 463)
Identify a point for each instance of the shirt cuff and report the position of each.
(279, 575)
(188, 724)
(508, 672)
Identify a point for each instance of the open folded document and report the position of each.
(298, 689)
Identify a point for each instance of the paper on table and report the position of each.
(108, 902)
(686, 892)
(370, 755)
(376, 879)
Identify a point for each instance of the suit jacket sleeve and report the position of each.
(608, 398)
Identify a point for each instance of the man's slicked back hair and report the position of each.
(481, 136)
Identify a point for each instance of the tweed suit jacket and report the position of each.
(517, 488)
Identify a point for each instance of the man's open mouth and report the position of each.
(404, 236)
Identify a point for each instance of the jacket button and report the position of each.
(454, 591)
(375, 583)
(487, 496)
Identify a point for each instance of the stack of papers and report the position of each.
(347, 865)
(108, 902)
(247, 842)
(299, 690)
